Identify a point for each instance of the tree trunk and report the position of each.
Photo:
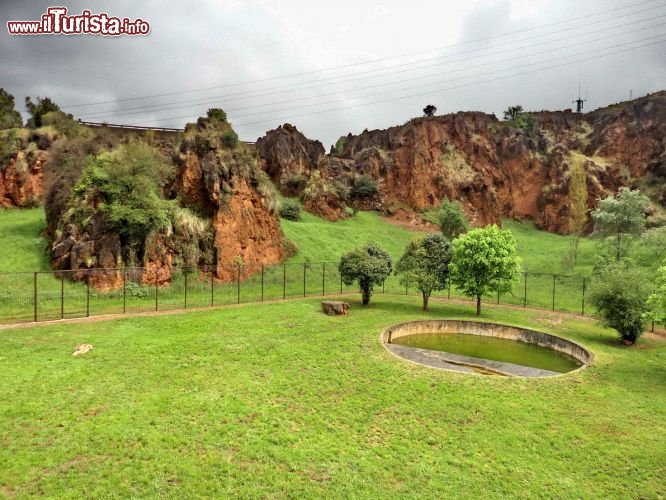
(426, 296)
(478, 305)
(366, 296)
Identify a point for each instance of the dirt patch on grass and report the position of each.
(411, 221)
(82, 349)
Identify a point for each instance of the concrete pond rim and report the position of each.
(477, 366)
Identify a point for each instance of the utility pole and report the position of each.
(579, 102)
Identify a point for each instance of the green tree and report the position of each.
(126, 184)
(451, 218)
(657, 300)
(217, 114)
(651, 248)
(619, 292)
(429, 110)
(483, 261)
(38, 109)
(425, 263)
(368, 265)
(513, 112)
(620, 219)
(364, 187)
(290, 210)
(9, 117)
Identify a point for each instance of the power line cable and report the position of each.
(374, 61)
(468, 68)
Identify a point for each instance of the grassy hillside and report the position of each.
(281, 401)
(543, 252)
(23, 247)
(318, 239)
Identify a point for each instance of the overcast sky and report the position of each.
(336, 67)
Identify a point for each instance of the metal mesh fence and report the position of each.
(44, 296)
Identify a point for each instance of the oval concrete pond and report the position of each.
(485, 348)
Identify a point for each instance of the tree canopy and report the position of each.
(657, 300)
(619, 292)
(620, 218)
(38, 109)
(125, 184)
(483, 261)
(368, 265)
(429, 110)
(513, 112)
(425, 264)
(451, 218)
(9, 117)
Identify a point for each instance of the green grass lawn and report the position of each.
(543, 252)
(278, 400)
(318, 240)
(23, 247)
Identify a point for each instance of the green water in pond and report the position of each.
(496, 349)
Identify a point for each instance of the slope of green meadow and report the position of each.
(280, 401)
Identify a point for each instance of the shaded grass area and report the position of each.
(280, 400)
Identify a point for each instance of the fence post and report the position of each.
(124, 291)
(62, 296)
(34, 295)
(262, 282)
(284, 281)
(525, 294)
(341, 283)
(449, 288)
(498, 293)
(185, 271)
(156, 304)
(383, 283)
(554, 276)
(88, 295)
(323, 278)
(305, 267)
(406, 285)
(212, 287)
(237, 284)
(582, 309)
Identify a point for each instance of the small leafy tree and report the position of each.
(425, 263)
(513, 112)
(621, 218)
(619, 293)
(657, 300)
(368, 265)
(290, 210)
(429, 110)
(217, 114)
(38, 109)
(451, 218)
(364, 187)
(9, 117)
(483, 261)
(125, 184)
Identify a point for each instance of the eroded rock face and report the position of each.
(93, 253)
(218, 179)
(230, 186)
(521, 169)
(21, 180)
